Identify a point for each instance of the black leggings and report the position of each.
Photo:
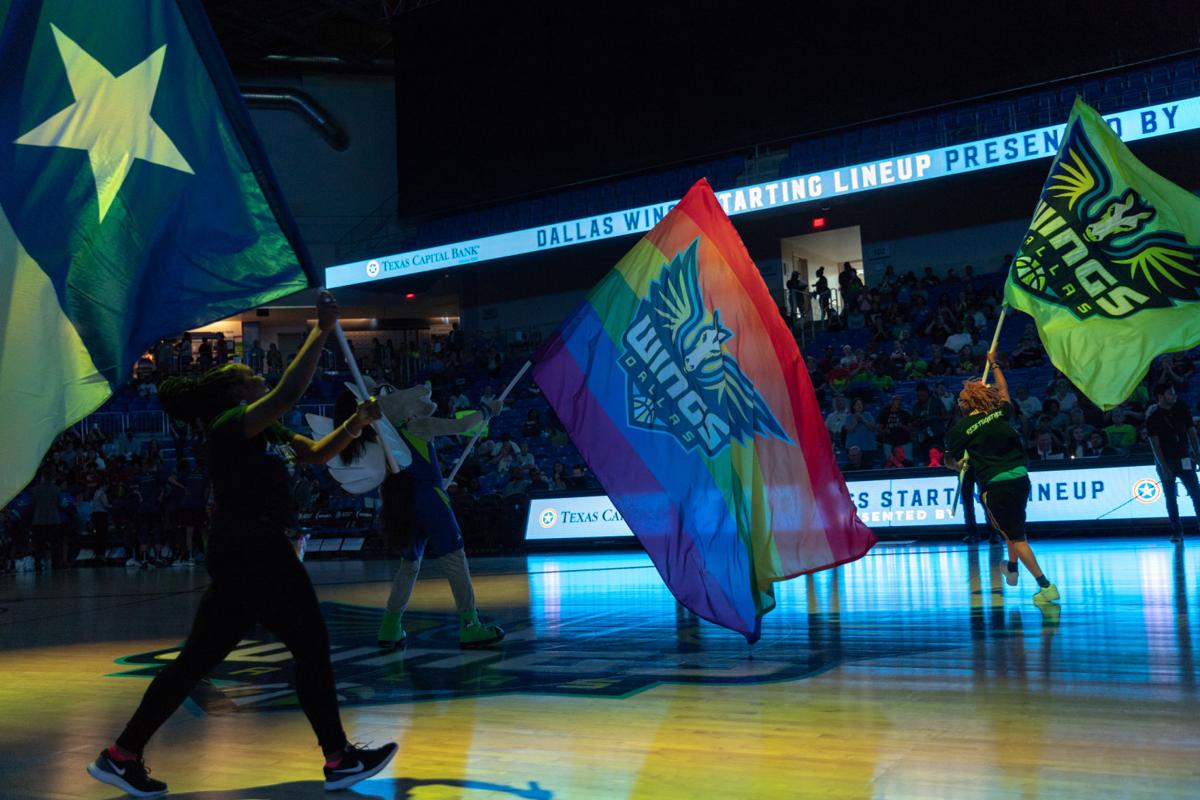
(1171, 491)
(268, 585)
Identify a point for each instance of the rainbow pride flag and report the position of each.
(681, 386)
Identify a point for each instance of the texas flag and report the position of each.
(135, 202)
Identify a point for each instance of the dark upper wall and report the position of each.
(496, 99)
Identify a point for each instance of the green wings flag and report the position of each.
(1108, 269)
(135, 202)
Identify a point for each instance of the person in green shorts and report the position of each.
(985, 437)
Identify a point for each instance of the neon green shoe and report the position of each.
(391, 632)
(473, 633)
(1047, 595)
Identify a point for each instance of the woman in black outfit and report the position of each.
(256, 576)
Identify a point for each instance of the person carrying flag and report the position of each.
(256, 574)
(986, 436)
(417, 508)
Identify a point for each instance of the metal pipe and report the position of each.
(289, 99)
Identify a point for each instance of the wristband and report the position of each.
(346, 428)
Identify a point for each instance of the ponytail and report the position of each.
(187, 399)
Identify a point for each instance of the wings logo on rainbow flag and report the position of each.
(683, 389)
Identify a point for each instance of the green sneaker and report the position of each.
(473, 633)
(391, 632)
(1047, 595)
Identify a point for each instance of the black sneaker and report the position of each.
(131, 776)
(358, 764)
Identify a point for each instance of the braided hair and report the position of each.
(188, 399)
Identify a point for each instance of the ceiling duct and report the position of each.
(288, 99)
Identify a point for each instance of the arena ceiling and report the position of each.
(285, 36)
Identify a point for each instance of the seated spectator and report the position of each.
(928, 419)
(918, 367)
(1098, 446)
(532, 427)
(1077, 441)
(835, 420)
(459, 402)
(897, 459)
(525, 458)
(943, 396)
(849, 359)
(537, 481)
(1029, 405)
(488, 449)
(936, 457)
(898, 359)
(895, 424)
(938, 365)
(956, 342)
(872, 378)
(879, 331)
(1059, 419)
(1029, 351)
(1045, 448)
(489, 394)
(1177, 368)
(827, 362)
(854, 460)
(558, 477)
(967, 363)
(1141, 447)
(1066, 398)
(939, 324)
(819, 384)
(1077, 421)
(1120, 434)
(859, 431)
(577, 479)
(518, 482)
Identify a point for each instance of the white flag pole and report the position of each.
(475, 438)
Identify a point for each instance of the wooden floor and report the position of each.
(909, 674)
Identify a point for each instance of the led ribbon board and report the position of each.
(1082, 494)
(999, 151)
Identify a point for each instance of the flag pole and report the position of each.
(393, 467)
(471, 444)
(962, 471)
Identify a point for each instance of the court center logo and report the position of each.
(681, 377)
(1146, 490)
(1096, 248)
(607, 652)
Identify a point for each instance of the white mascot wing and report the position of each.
(387, 433)
(364, 474)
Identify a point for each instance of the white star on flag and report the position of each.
(110, 119)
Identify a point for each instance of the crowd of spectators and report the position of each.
(889, 401)
(147, 495)
(886, 367)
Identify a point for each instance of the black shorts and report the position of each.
(1005, 502)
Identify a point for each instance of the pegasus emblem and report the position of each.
(1114, 219)
(708, 345)
(682, 377)
(1098, 247)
